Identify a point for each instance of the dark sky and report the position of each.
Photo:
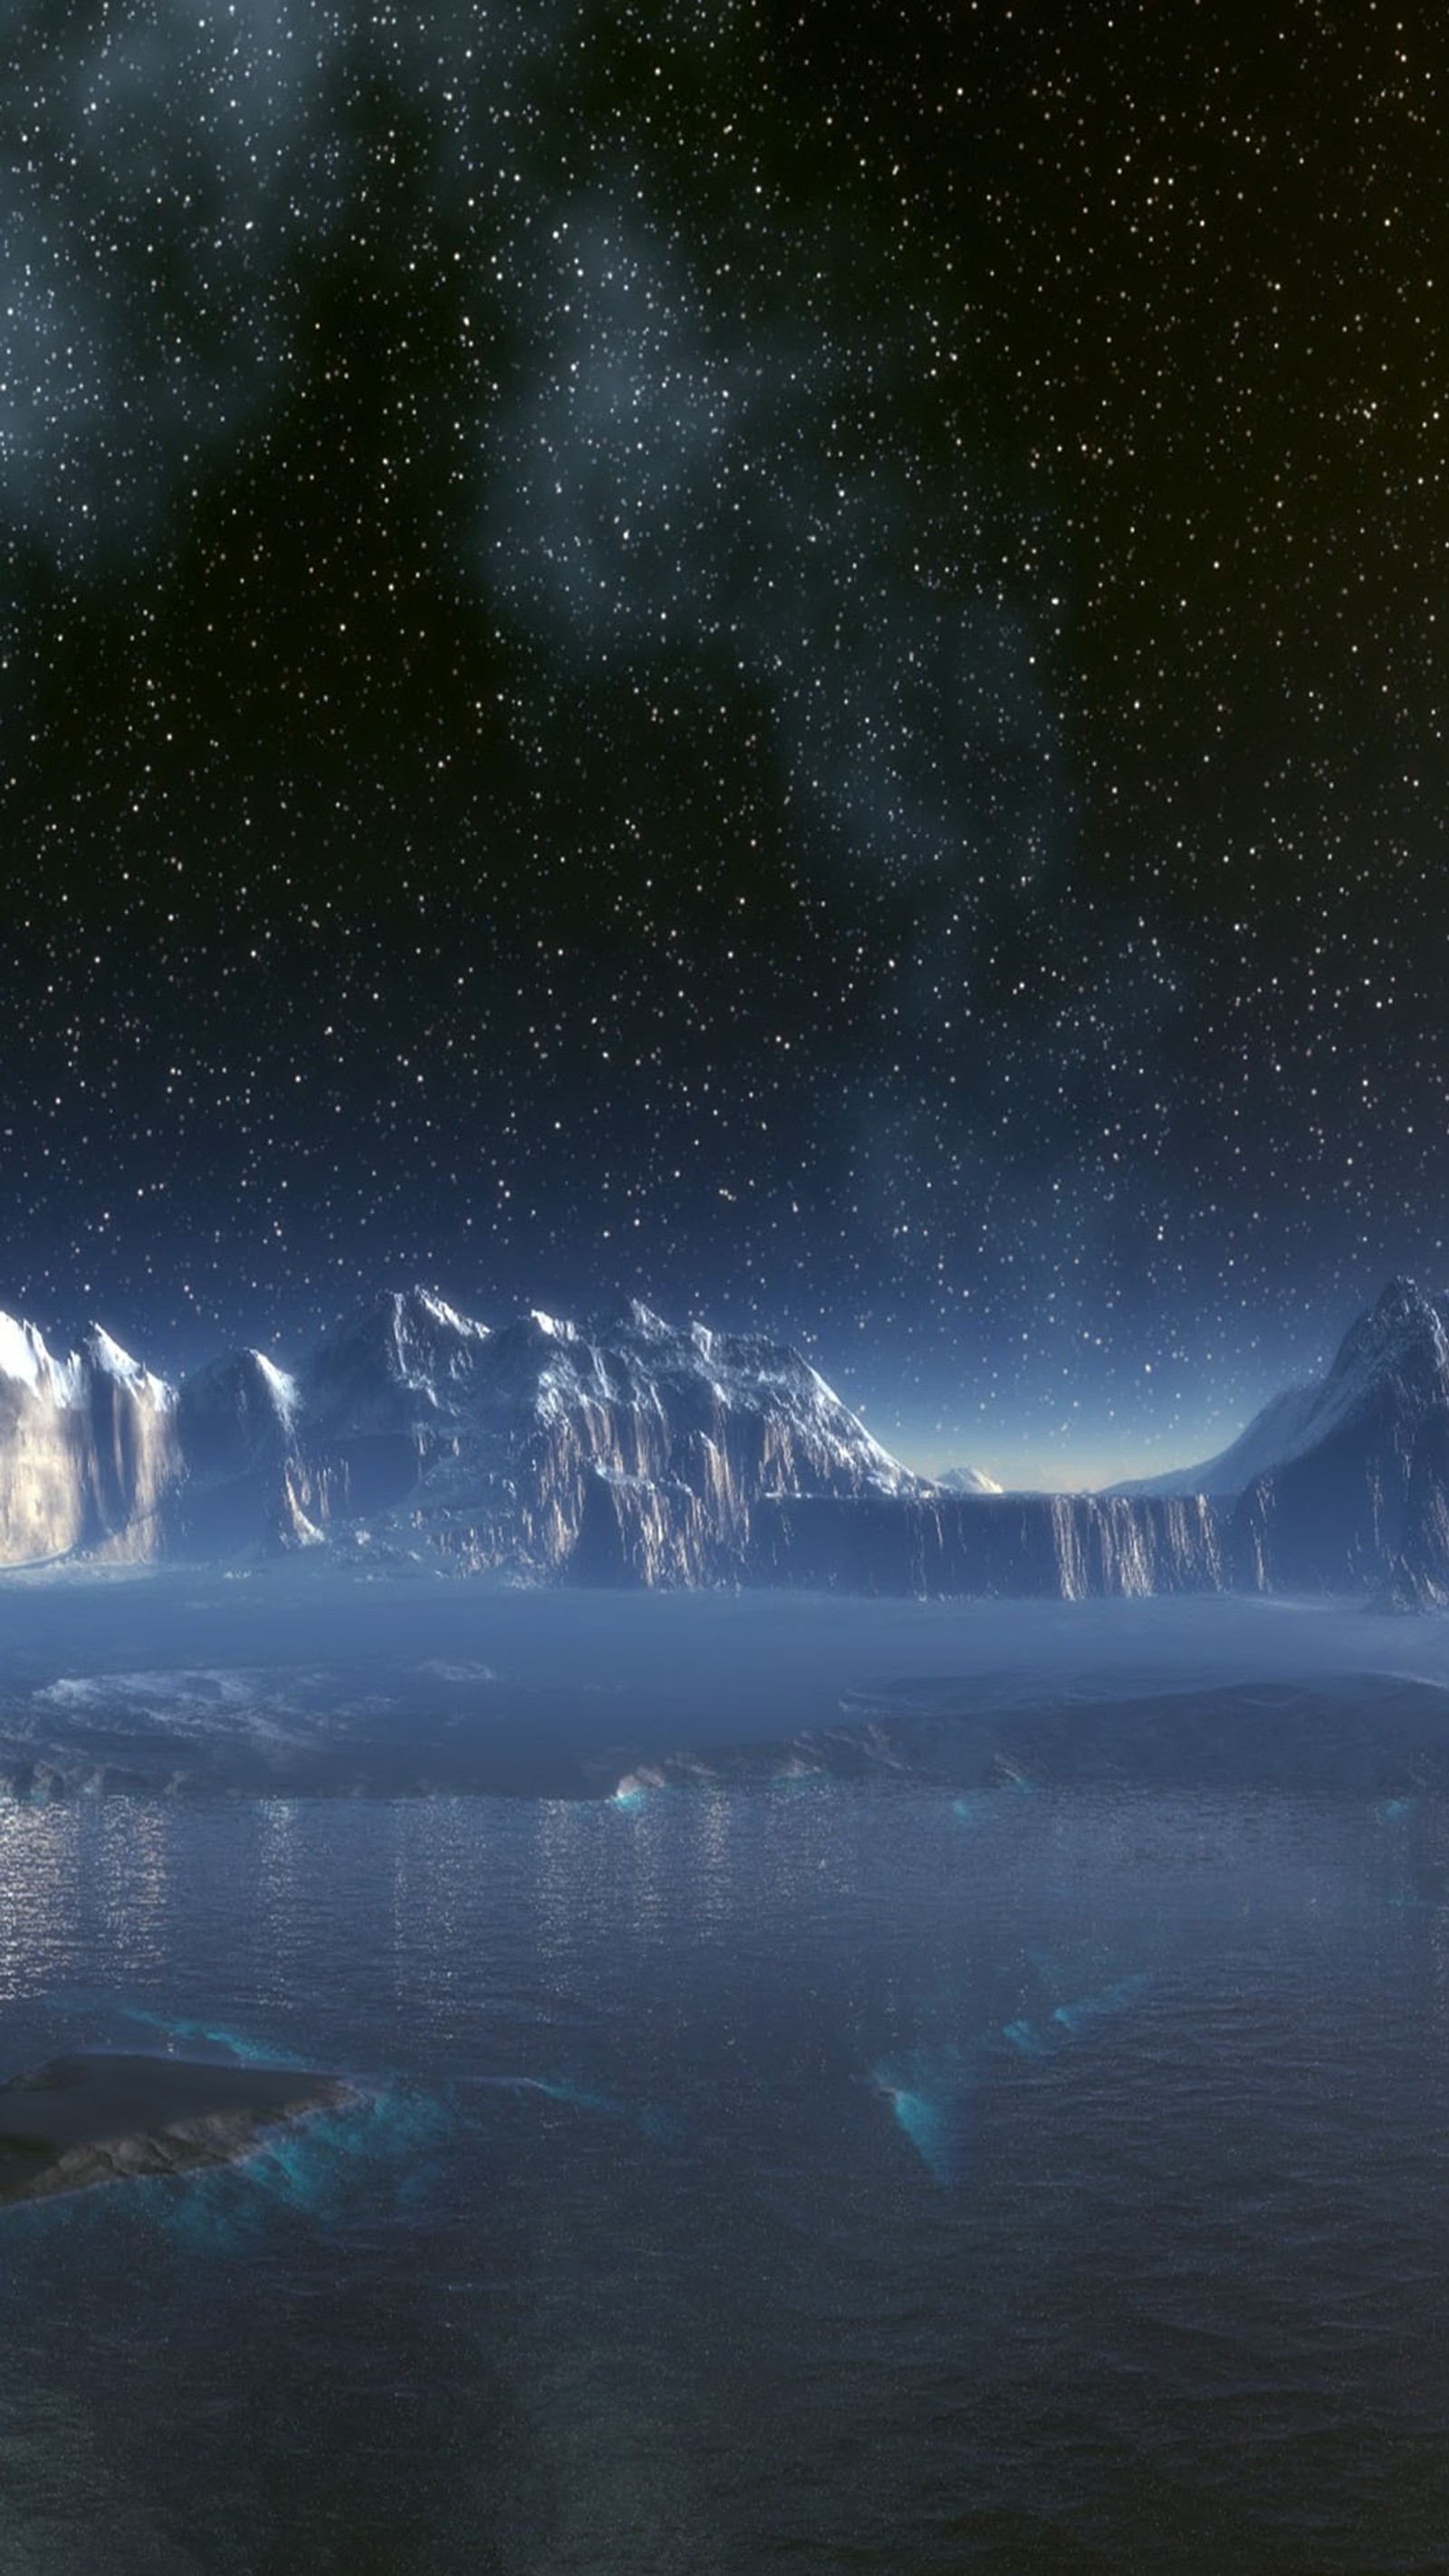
(791, 665)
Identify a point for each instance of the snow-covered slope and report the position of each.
(1275, 1433)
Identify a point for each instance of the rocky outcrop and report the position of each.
(104, 2117)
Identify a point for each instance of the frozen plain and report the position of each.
(301, 1679)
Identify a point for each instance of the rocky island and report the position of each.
(98, 2116)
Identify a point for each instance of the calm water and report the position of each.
(817, 2179)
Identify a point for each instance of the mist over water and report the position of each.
(743, 2177)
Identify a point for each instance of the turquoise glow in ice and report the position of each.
(1026, 2039)
(247, 2051)
(1101, 2007)
(927, 2089)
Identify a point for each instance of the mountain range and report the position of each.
(627, 1450)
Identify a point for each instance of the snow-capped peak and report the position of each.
(1402, 1329)
(26, 1359)
(1396, 1354)
(420, 1312)
(404, 1322)
(107, 1355)
(645, 1322)
(106, 1358)
(630, 1320)
(396, 1363)
(25, 1356)
(966, 1480)
(555, 1328)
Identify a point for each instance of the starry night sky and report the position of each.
(790, 660)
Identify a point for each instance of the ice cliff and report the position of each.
(1071, 1547)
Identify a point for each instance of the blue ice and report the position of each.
(1100, 2007)
(1038, 2040)
(973, 1810)
(1026, 2039)
(386, 2140)
(927, 2090)
(246, 2051)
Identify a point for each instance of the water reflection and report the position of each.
(42, 1889)
(564, 1831)
(716, 1813)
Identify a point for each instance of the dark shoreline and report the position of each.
(100, 2116)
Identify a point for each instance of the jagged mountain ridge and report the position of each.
(621, 1449)
(625, 1449)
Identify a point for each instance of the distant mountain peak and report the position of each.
(241, 1380)
(966, 1480)
(416, 1310)
(551, 1328)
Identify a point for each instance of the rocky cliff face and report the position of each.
(1068, 1547)
(241, 1482)
(88, 1449)
(620, 1451)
